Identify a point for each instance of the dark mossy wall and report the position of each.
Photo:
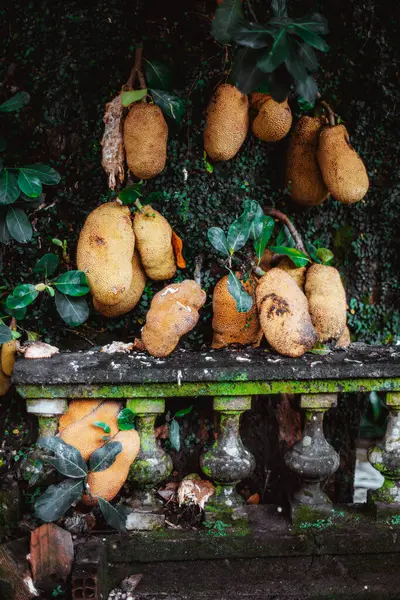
(73, 56)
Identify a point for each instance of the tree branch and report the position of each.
(137, 69)
(277, 214)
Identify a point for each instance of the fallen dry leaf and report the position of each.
(197, 491)
(177, 245)
(254, 499)
(161, 432)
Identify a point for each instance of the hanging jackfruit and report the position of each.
(327, 301)
(154, 243)
(273, 121)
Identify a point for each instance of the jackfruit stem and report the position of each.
(138, 204)
(137, 69)
(277, 214)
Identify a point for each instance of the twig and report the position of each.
(273, 212)
(331, 114)
(253, 14)
(80, 335)
(136, 66)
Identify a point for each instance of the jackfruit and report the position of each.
(303, 175)
(229, 325)
(342, 169)
(154, 242)
(266, 262)
(273, 121)
(82, 433)
(326, 301)
(297, 273)
(77, 410)
(132, 295)
(283, 313)
(145, 140)
(5, 383)
(8, 357)
(173, 312)
(257, 99)
(105, 250)
(345, 340)
(227, 123)
(106, 484)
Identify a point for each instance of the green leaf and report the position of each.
(320, 349)
(243, 300)
(261, 242)
(274, 57)
(16, 102)
(307, 57)
(252, 35)
(130, 194)
(72, 283)
(307, 89)
(238, 233)
(18, 313)
(312, 251)
(22, 296)
(225, 18)
(293, 63)
(183, 411)
(3, 144)
(104, 457)
(29, 184)
(5, 236)
(74, 311)
(325, 255)
(112, 515)
(218, 239)
(47, 175)
(304, 105)
(298, 258)
(67, 460)
(106, 428)
(257, 223)
(18, 225)
(157, 74)
(171, 105)
(126, 419)
(128, 98)
(47, 265)
(9, 189)
(51, 291)
(285, 238)
(174, 435)
(245, 74)
(279, 8)
(310, 37)
(5, 334)
(314, 22)
(57, 499)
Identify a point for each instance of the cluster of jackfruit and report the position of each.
(228, 120)
(294, 308)
(77, 428)
(321, 161)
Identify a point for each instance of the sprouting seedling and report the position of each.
(125, 421)
(174, 431)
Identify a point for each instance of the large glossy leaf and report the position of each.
(57, 499)
(308, 89)
(29, 184)
(261, 242)
(18, 313)
(5, 236)
(16, 102)
(104, 457)
(5, 334)
(243, 300)
(276, 55)
(22, 296)
(18, 225)
(72, 283)
(67, 460)
(257, 222)
(314, 22)
(126, 419)
(239, 232)
(226, 17)
(279, 8)
(47, 265)
(113, 515)
(312, 251)
(307, 56)
(157, 74)
(128, 98)
(171, 105)
(130, 194)
(9, 189)
(253, 35)
(73, 311)
(285, 238)
(246, 75)
(218, 239)
(298, 258)
(313, 39)
(293, 63)
(174, 435)
(47, 175)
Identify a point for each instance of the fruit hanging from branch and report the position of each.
(273, 120)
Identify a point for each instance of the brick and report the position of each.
(90, 575)
(52, 554)
(15, 575)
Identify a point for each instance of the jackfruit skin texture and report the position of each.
(8, 356)
(82, 434)
(145, 140)
(327, 301)
(342, 169)
(106, 484)
(153, 236)
(267, 260)
(227, 123)
(5, 383)
(298, 274)
(283, 313)
(173, 312)
(132, 295)
(229, 325)
(257, 99)
(105, 250)
(77, 409)
(303, 174)
(273, 121)
(345, 340)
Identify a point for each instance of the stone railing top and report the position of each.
(95, 368)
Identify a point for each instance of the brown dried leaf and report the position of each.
(161, 432)
(197, 491)
(113, 153)
(254, 499)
